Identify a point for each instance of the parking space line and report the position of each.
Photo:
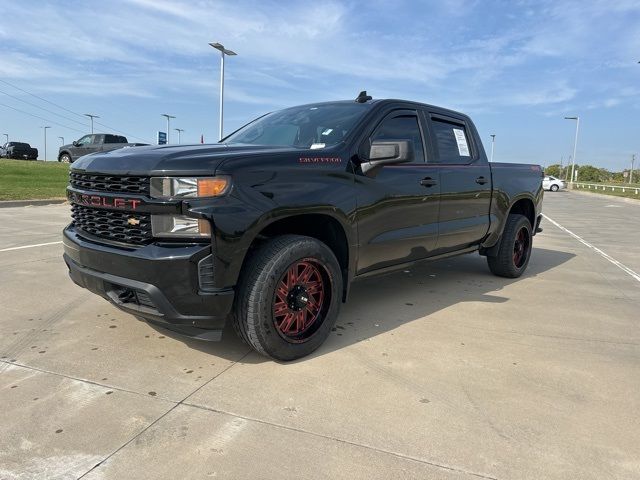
(621, 266)
(29, 246)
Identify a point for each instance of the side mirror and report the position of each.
(75, 143)
(387, 152)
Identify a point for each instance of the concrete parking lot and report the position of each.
(442, 372)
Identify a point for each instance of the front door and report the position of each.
(81, 147)
(398, 204)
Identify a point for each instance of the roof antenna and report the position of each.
(363, 97)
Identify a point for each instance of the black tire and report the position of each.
(515, 248)
(262, 316)
(65, 158)
(554, 188)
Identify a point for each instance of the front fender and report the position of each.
(61, 152)
(238, 224)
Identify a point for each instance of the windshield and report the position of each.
(311, 126)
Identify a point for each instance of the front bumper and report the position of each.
(158, 282)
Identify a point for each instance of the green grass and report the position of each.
(630, 190)
(28, 180)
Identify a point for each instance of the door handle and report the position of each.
(481, 180)
(428, 182)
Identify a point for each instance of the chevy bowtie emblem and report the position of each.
(133, 221)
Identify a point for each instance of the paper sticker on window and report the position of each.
(461, 140)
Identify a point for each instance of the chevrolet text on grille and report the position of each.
(100, 201)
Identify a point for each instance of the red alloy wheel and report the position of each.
(521, 247)
(300, 301)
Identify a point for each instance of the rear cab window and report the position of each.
(452, 140)
(114, 139)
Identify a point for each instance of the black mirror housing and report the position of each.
(387, 152)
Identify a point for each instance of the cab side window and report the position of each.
(85, 140)
(452, 142)
(403, 127)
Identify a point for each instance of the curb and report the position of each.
(29, 203)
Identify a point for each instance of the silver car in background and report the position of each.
(552, 183)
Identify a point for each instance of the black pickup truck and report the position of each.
(18, 151)
(98, 142)
(270, 227)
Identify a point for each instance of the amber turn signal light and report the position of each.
(212, 187)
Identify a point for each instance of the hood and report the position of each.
(169, 159)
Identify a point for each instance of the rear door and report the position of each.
(398, 204)
(465, 182)
(96, 144)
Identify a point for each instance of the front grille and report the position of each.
(110, 183)
(112, 225)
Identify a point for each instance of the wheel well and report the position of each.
(322, 227)
(525, 207)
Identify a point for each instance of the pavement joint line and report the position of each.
(173, 407)
(83, 380)
(202, 407)
(29, 246)
(342, 440)
(608, 257)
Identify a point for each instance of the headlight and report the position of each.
(179, 226)
(189, 187)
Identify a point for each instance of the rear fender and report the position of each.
(491, 244)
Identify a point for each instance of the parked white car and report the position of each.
(552, 183)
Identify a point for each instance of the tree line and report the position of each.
(589, 173)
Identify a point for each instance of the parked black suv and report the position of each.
(270, 227)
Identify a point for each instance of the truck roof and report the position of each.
(386, 101)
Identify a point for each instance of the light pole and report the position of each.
(223, 52)
(168, 117)
(91, 116)
(6, 135)
(62, 140)
(633, 160)
(179, 130)
(493, 141)
(45, 142)
(575, 144)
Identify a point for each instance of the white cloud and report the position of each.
(142, 48)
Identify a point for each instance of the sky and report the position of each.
(516, 67)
